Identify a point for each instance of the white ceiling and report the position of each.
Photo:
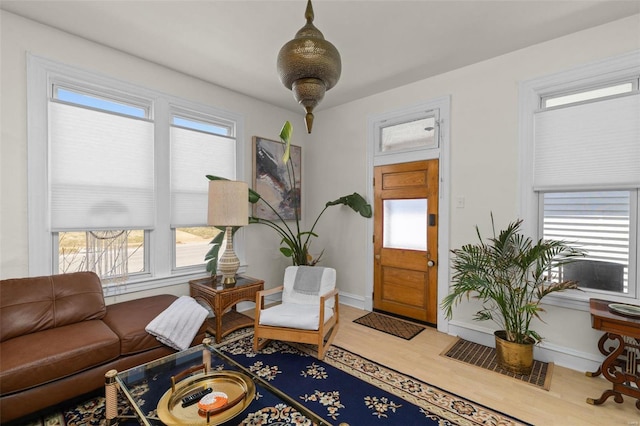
(383, 44)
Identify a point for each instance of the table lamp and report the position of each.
(229, 207)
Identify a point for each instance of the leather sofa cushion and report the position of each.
(129, 319)
(28, 305)
(37, 358)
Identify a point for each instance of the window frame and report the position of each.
(431, 109)
(42, 76)
(609, 71)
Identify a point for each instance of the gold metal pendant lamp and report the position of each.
(309, 65)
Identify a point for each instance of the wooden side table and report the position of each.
(223, 301)
(622, 363)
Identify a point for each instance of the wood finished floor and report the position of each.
(564, 404)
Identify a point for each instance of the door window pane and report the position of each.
(405, 224)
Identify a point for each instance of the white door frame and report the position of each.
(441, 153)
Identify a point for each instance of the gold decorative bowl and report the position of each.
(239, 388)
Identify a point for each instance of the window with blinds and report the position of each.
(118, 178)
(586, 157)
(199, 147)
(101, 182)
(579, 147)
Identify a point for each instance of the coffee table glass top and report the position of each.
(148, 389)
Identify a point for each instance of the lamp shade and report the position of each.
(228, 203)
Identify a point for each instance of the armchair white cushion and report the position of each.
(308, 312)
(293, 315)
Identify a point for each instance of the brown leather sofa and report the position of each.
(58, 339)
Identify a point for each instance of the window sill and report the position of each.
(579, 300)
(152, 283)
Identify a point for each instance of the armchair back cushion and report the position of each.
(327, 283)
(53, 301)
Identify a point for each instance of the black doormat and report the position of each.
(396, 327)
(485, 357)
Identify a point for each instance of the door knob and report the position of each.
(377, 256)
(430, 263)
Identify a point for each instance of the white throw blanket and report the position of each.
(177, 325)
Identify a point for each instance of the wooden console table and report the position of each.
(622, 363)
(223, 301)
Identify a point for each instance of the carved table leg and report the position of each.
(620, 367)
(603, 351)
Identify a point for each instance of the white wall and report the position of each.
(483, 165)
(19, 36)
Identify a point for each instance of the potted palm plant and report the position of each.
(295, 242)
(509, 274)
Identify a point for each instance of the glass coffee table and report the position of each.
(155, 391)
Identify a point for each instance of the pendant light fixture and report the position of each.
(309, 65)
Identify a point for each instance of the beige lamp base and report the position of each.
(229, 263)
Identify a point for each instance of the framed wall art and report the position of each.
(272, 180)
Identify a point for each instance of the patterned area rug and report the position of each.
(345, 387)
(485, 357)
(390, 325)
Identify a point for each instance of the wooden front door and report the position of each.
(406, 240)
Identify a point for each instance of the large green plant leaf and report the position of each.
(285, 134)
(356, 202)
(211, 258)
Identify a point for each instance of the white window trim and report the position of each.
(442, 152)
(41, 72)
(595, 74)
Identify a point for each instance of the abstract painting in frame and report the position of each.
(271, 179)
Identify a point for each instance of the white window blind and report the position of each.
(101, 170)
(194, 155)
(591, 145)
(598, 222)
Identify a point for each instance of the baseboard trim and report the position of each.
(352, 300)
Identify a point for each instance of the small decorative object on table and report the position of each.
(624, 309)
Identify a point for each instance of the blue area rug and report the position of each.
(349, 388)
(345, 387)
